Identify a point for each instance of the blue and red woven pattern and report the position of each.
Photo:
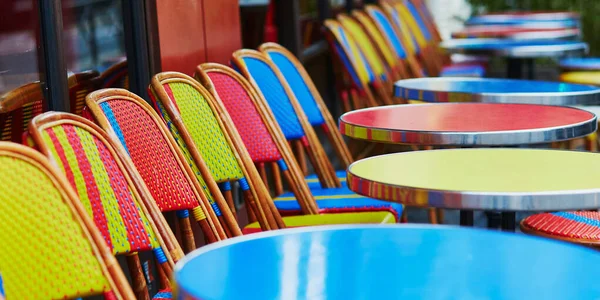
(568, 224)
(246, 118)
(151, 155)
(101, 185)
(299, 87)
(274, 92)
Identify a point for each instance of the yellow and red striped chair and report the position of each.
(102, 180)
(51, 248)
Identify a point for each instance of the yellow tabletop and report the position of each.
(510, 179)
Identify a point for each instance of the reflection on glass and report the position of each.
(20, 90)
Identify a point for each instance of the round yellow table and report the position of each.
(506, 180)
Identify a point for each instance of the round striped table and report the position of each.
(468, 124)
(506, 180)
(388, 262)
(516, 32)
(456, 89)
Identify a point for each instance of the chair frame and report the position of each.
(89, 78)
(332, 130)
(264, 210)
(17, 99)
(164, 235)
(301, 191)
(212, 223)
(108, 263)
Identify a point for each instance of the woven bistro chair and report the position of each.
(580, 227)
(180, 101)
(17, 108)
(80, 85)
(116, 76)
(265, 78)
(103, 181)
(278, 98)
(174, 185)
(312, 104)
(212, 112)
(51, 248)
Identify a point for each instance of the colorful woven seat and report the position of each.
(17, 108)
(116, 76)
(313, 180)
(234, 92)
(144, 137)
(581, 77)
(330, 219)
(581, 227)
(105, 187)
(51, 248)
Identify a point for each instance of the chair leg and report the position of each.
(278, 185)
(433, 217)
(140, 289)
(187, 235)
(301, 156)
(440, 215)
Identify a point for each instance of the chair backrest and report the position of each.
(191, 115)
(174, 184)
(272, 86)
(254, 122)
(307, 95)
(101, 180)
(50, 249)
(116, 76)
(381, 43)
(80, 85)
(412, 41)
(400, 42)
(17, 108)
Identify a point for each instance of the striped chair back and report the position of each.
(51, 248)
(308, 96)
(174, 184)
(17, 108)
(399, 40)
(80, 85)
(116, 76)
(190, 114)
(95, 171)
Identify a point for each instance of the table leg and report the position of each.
(493, 219)
(514, 68)
(530, 68)
(466, 218)
(508, 221)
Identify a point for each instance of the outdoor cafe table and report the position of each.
(515, 51)
(388, 262)
(516, 32)
(456, 89)
(496, 179)
(533, 19)
(467, 125)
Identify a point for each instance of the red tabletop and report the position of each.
(468, 123)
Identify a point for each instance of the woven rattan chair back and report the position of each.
(116, 76)
(308, 96)
(51, 248)
(253, 120)
(104, 186)
(133, 123)
(17, 108)
(80, 85)
(271, 85)
(190, 113)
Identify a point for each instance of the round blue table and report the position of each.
(388, 262)
(533, 19)
(580, 64)
(516, 51)
(456, 89)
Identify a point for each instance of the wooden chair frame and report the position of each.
(323, 167)
(23, 97)
(91, 79)
(332, 131)
(158, 224)
(293, 175)
(264, 210)
(211, 223)
(110, 267)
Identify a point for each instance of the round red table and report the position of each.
(468, 124)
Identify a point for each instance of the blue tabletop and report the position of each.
(389, 262)
(559, 19)
(457, 89)
(580, 63)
